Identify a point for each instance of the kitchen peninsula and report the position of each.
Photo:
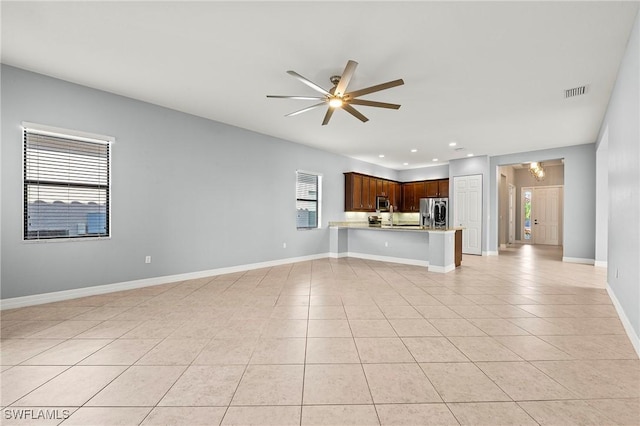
(440, 250)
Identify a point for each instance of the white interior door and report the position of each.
(512, 214)
(545, 209)
(467, 211)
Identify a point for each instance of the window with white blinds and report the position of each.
(66, 186)
(307, 200)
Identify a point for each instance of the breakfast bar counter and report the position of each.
(413, 245)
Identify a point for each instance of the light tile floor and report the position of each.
(521, 338)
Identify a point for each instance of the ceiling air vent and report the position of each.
(576, 91)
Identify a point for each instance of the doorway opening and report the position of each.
(529, 206)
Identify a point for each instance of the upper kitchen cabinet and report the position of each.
(443, 188)
(438, 188)
(411, 194)
(360, 192)
(432, 188)
(382, 187)
(368, 195)
(353, 192)
(420, 192)
(395, 195)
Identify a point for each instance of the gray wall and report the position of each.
(193, 193)
(602, 198)
(623, 124)
(399, 244)
(424, 173)
(579, 196)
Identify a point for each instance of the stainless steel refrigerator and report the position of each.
(434, 213)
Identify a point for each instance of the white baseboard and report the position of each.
(404, 261)
(57, 296)
(337, 255)
(489, 253)
(600, 263)
(442, 269)
(578, 260)
(633, 337)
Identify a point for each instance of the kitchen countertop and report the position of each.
(400, 227)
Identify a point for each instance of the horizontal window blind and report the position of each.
(66, 187)
(306, 200)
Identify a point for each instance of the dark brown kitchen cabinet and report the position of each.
(383, 187)
(411, 194)
(360, 192)
(438, 188)
(420, 192)
(443, 188)
(373, 184)
(368, 193)
(432, 188)
(407, 197)
(353, 192)
(395, 195)
(414, 191)
(366, 201)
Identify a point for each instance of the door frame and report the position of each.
(511, 212)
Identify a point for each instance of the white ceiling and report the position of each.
(488, 75)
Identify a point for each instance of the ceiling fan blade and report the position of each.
(327, 116)
(304, 98)
(305, 109)
(351, 110)
(376, 88)
(308, 82)
(345, 78)
(373, 103)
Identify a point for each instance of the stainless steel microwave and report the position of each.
(382, 203)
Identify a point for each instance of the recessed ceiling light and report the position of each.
(452, 144)
(470, 154)
(405, 164)
(414, 150)
(381, 155)
(435, 159)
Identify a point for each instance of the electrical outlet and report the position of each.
(284, 245)
(386, 244)
(617, 274)
(147, 259)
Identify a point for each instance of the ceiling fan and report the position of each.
(338, 98)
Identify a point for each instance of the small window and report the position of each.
(307, 200)
(66, 186)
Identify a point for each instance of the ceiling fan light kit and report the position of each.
(338, 97)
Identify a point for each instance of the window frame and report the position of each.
(318, 201)
(73, 135)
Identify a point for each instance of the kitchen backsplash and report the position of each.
(397, 217)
